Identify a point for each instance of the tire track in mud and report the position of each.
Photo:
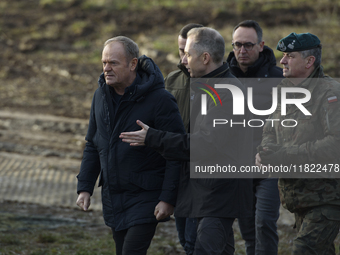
(40, 156)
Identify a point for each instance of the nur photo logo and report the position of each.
(204, 97)
(224, 94)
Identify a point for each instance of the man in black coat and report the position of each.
(251, 59)
(178, 84)
(216, 202)
(139, 187)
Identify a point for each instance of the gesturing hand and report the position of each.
(135, 138)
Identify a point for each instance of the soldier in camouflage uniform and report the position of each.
(315, 139)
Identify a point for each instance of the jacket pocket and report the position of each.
(146, 181)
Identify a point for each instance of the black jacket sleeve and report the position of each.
(90, 166)
(172, 146)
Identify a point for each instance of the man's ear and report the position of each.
(261, 46)
(206, 58)
(133, 64)
(310, 61)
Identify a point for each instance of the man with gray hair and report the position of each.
(313, 145)
(139, 187)
(207, 47)
(215, 202)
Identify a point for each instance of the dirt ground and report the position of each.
(33, 225)
(32, 229)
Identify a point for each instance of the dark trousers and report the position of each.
(215, 236)
(134, 240)
(260, 230)
(187, 229)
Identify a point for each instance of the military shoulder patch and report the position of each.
(332, 99)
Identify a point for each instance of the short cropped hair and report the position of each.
(316, 52)
(251, 24)
(209, 40)
(184, 31)
(131, 48)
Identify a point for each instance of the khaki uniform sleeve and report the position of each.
(328, 147)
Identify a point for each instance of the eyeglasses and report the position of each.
(247, 46)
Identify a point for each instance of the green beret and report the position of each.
(298, 42)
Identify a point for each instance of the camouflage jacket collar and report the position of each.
(309, 83)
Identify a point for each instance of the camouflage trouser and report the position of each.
(317, 229)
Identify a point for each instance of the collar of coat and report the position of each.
(260, 68)
(309, 83)
(221, 72)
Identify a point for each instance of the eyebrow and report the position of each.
(110, 60)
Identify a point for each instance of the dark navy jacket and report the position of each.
(264, 70)
(133, 179)
(210, 197)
